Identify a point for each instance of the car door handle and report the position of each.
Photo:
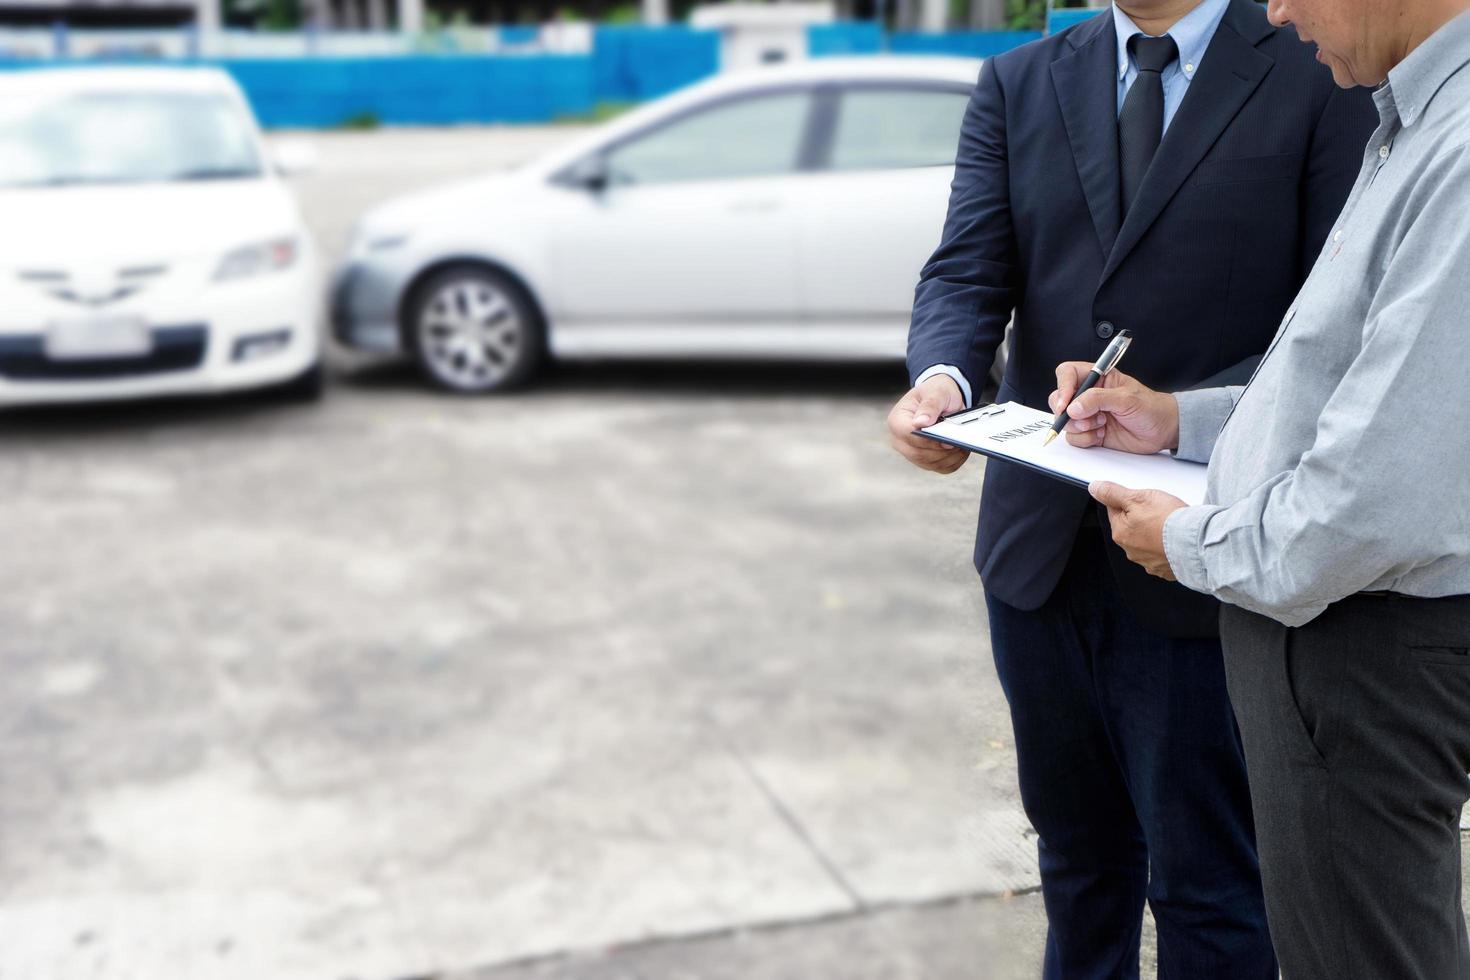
(755, 205)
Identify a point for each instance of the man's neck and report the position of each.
(1418, 30)
(1155, 17)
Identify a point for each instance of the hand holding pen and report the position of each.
(1111, 355)
(1117, 412)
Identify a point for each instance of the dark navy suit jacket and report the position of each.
(1248, 180)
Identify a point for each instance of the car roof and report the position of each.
(33, 81)
(961, 72)
(854, 67)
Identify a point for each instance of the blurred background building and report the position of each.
(414, 15)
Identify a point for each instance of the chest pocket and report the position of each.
(1235, 170)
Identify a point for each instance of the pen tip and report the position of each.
(1049, 437)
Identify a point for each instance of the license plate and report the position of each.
(72, 340)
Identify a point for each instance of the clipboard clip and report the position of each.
(984, 412)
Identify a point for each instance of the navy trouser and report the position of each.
(1132, 773)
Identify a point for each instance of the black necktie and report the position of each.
(1141, 123)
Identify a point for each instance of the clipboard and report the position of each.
(1015, 434)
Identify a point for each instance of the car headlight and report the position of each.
(251, 260)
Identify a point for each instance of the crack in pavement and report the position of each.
(755, 928)
(788, 817)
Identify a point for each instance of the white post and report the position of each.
(932, 15)
(411, 16)
(207, 16)
(987, 15)
(655, 12)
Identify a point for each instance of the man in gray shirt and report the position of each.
(1337, 523)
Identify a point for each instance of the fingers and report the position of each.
(1112, 400)
(923, 452)
(939, 459)
(1070, 375)
(1092, 432)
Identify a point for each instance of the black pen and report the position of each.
(1109, 360)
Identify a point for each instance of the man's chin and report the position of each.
(1341, 74)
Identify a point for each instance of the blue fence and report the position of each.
(844, 37)
(633, 62)
(418, 89)
(627, 64)
(867, 37)
(969, 44)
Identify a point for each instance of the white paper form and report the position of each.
(1017, 433)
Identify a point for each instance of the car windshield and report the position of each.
(123, 138)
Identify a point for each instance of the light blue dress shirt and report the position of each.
(1192, 34)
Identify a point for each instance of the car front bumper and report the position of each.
(364, 303)
(256, 334)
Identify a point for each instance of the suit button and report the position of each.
(1105, 329)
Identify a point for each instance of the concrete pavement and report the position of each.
(403, 684)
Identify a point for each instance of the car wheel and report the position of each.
(305, 387)
(475, 330)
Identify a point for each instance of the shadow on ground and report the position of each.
(674, 378)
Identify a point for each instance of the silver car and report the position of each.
(779, 212)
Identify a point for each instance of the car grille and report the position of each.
(23, 358)
(60, 284)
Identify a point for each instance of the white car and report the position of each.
(150, 245)
(778, 212)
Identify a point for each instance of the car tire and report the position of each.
(305, 387)
(474, 330)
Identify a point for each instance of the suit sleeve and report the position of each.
(1336, 156)
(964, 296)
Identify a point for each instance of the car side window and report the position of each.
(749, 137)
(886, 128)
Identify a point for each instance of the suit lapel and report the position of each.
(1229, 73)
(1086, 83)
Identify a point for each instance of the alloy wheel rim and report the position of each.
(471, 334)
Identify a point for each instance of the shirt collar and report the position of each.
(1191, 35)
(1414, 82)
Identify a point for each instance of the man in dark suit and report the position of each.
(1170, 167)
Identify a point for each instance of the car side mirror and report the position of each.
(591, 173)
(294, 158)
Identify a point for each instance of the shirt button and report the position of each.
(1189, 69)
(1337, 237)
(1383, 152)
(1104, 329)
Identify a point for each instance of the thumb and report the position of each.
(1111, 495)
(932, 404)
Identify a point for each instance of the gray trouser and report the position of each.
(1356, 729)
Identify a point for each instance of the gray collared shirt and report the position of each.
(1344, 465)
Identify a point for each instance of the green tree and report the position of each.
(281, 15)
(1025, 15)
